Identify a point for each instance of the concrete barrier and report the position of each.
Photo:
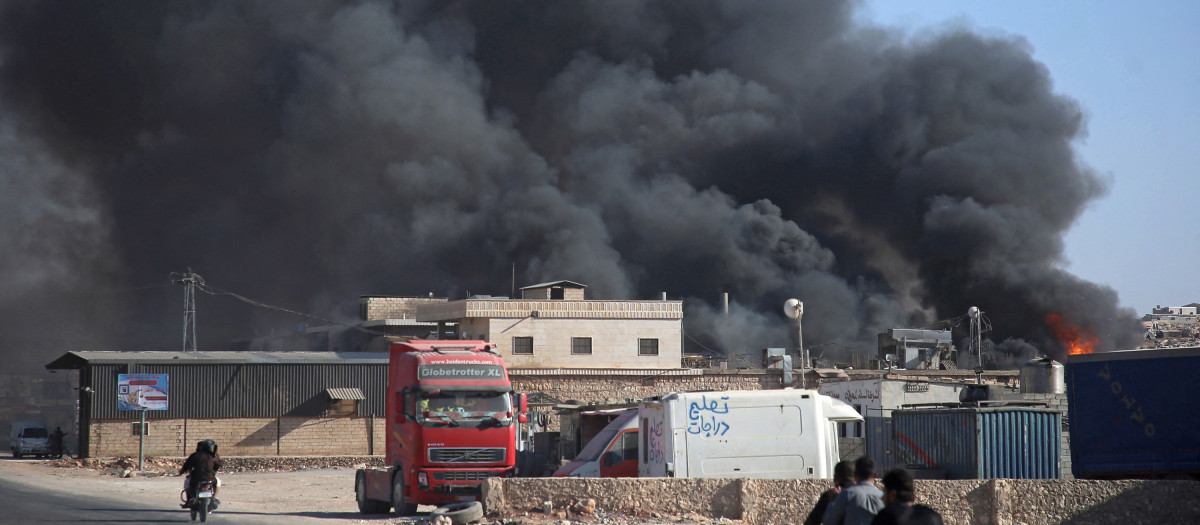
(771, 502)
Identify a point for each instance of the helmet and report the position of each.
(207, 445)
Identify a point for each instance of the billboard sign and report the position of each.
(141, 391)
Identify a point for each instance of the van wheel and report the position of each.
(459, 513)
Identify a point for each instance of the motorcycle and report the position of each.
(204, 502)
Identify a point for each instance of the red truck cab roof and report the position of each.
(453, 364)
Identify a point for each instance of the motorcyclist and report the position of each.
(202, 465)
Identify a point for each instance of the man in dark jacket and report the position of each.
(202, 465)
(899, 495)
(842, 474)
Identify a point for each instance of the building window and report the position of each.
(581, 346)
(522, 346)
(647, 346)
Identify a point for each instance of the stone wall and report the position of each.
(284, 436)
(770, 502)
(613, 344)
(631, 386)
(371, 308)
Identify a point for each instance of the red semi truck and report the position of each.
(452, 422)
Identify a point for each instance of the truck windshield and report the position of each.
(473, 409)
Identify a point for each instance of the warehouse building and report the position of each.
(251, 403)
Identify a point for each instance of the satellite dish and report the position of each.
(973, 312)
(793, 308)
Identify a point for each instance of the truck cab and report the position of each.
(451, 423)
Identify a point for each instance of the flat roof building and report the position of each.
(554, 326)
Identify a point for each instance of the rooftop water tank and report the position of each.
(1043, 375)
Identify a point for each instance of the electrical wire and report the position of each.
(212, 290)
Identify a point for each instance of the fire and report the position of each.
(1075, 339)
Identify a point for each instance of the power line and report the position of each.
(211, 290)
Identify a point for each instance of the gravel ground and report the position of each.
(310, 490)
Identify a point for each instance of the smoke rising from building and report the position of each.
(306, 155)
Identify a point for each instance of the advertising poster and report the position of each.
(141, 391)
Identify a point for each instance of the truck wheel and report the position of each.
(367, 505)
(459, 513)
(402, 506)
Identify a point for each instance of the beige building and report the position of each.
(553, 326)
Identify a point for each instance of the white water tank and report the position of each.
(1043, 375)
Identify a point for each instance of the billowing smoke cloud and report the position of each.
(304, 155)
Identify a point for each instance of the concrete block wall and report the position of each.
(286, 436)
(373, 308)
(325, 437)
(607, 389)
(771, 502)
(614, 344)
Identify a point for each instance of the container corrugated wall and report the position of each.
(880, 445)
(981, 443)
(242, 390)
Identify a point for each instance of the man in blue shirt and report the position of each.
(858, 503)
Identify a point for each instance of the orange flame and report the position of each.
(1075, 339)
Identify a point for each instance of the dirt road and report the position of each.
(308, 496)
(324, 496)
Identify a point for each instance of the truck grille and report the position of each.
(464, 475)
(466, 455)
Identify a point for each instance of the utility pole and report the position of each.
(189, 281)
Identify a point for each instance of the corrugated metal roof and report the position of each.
(344, 393)
(553, 283)
(73, 360)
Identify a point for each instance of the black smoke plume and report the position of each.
(304, 153)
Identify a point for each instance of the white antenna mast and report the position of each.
(976, 316)
(794, 309)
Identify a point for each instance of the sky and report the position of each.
(1134, 68)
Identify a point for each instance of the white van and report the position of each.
(29, 438)
(612, 453)
(779, 434)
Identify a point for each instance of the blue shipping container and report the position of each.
(1133, 415)
(980, 443)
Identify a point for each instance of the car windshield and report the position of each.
(445, 408)
(595, 447)
(34, 433)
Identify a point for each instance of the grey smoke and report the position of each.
(304, 155)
